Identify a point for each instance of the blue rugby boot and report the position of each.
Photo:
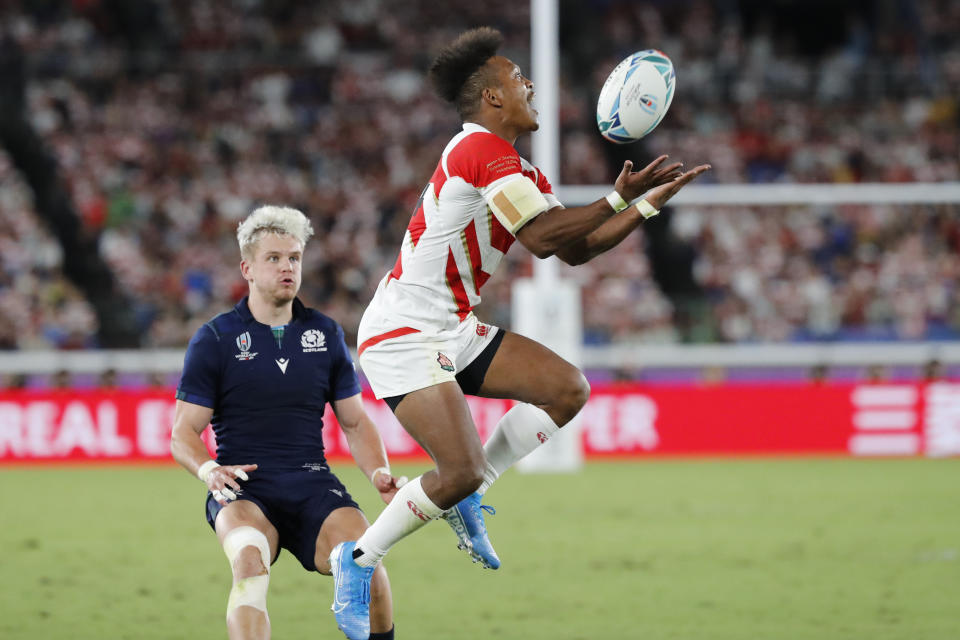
(351, 592)
(466, 520)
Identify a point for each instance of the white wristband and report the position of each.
(373, 474)
(646, 209)
(617, 202)
(204, 471)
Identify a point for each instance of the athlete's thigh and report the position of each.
(525, 370)
(343, 524)
(244, 513)
(438, 418)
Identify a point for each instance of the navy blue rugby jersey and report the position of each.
(268, 396)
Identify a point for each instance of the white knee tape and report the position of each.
(249, 592)
(242, 537)
(252, 591)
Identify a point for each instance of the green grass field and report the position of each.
(818, 549)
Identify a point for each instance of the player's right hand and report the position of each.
(387, 485)
(658, 196)
(222, 481)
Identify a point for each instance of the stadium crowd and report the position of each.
(169, 131)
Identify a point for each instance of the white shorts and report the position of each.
(402, 360)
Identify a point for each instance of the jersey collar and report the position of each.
(243, 310)
(473, 127)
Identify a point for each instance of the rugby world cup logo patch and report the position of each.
(313, 340)
(244, 342)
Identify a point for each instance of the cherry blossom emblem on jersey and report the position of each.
(445, 362)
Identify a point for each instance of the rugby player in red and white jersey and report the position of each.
(420, 345)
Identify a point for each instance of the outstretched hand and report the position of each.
(660, 194)
(633, 184)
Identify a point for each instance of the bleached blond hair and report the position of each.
(283, 221)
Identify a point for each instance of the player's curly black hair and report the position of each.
(457, 74)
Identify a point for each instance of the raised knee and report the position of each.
(573, 395)
(248, 551)
(248, 563)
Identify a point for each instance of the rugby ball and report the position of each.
(635, 96)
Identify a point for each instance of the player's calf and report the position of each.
(456, 479)
(381, 605)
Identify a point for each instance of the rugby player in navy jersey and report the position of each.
(262, 374)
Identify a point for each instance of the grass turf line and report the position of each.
(705, 549)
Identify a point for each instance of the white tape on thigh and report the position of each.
(252, 591)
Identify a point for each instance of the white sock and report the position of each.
(520, 431)
(409, 510)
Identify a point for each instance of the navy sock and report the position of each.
(386, 635)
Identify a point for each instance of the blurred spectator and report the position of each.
(107, 379)
(933, 371)
(713, 375)
(167, 137)
(61, 379)
(819, 374)
(13, 381)
(876, 373)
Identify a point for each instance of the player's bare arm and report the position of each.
(365, 444)
(614, 230)
(545, 235)
(189, 450)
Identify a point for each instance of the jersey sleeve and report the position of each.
(343, 375)
(544, 186)
(493, 167)
(200, 378)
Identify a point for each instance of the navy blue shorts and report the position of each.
(295, 502)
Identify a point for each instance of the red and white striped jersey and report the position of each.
(467, 217)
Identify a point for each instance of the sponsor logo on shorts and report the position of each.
(445, 362)
(542, 437)
(416, 511)
(337, 491)
(313, 340)
(314, 466)
(244, 342)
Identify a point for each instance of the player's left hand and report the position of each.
(633, 184)
(660, 195)
(387, 485)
